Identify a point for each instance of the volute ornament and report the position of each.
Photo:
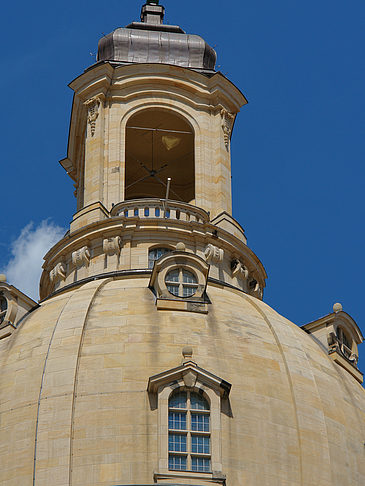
(81, 257)
(239, 270)
(58, 273)
(227, 125)
(213, 254)
(112, 246)
(93, 112)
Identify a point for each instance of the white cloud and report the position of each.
(25, 265)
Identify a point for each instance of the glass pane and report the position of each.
(177, 420)
(189, 277)
(201, 464)
(173, 289)
(136, 213)
(188, 291)
(177, 443)
(157, 212)
(200, 444)
(172, 276)
(198, 402)
(199, 422)
(178, 463)
(155, 254)
(178, 400)
(3, 303)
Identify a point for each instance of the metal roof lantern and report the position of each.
(152, 41)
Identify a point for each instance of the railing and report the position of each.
(160, 208)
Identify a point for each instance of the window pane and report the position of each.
(198, 402)
(173, 289)
(155, 254)
(177, 463)
(200, 444)
(188, 291)
(189, 277)
(3, 303)
(201, 464)
(177, 420)
(178, 400)
(199, 422)
(177, 443)
(172, 276)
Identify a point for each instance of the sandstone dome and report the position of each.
(74, 390)
(151, 357)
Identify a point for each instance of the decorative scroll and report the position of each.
(213, 254)
(93, 112)
(239, 270)
(335, 345)
(111, 246)
(81, 257)
(58, 273)
(227, 125)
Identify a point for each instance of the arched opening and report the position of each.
(159, 145)
(345, 342)
(3, 307)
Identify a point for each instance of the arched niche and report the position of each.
(159, 144)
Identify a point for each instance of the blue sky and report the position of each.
(297, 149)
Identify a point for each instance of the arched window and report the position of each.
(344, 342)
(3, 308)
(189, 432)
(156, 253)
(181, 283)
(159, 144)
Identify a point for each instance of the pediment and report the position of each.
(190, 373)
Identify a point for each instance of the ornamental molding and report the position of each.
(213, 254)
(112, 246)
(227, 125)
(81, 257)
(239, 270)
(93, 105)
(190, 374)
(58, 273)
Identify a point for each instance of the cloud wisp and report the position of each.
(24, 267)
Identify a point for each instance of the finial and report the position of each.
(152, 12)
(187, 353)
(180, 246)
(2, 277)
(337, 307)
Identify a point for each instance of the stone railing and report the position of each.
(161, 209)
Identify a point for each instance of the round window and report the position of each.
(181, 282)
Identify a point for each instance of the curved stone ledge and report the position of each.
(135, 234)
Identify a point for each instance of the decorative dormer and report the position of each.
(339, 335)
(14, 305)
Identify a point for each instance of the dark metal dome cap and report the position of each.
(151, 41)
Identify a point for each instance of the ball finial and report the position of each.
(180, 246)
(187, 352)
(2, 277)
(337, 307)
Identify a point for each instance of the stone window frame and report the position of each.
(188, 376)
(180, 260)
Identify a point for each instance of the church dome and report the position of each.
(79, 402)
(151, 358)
(151, 41)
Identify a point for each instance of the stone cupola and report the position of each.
(149, 148)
